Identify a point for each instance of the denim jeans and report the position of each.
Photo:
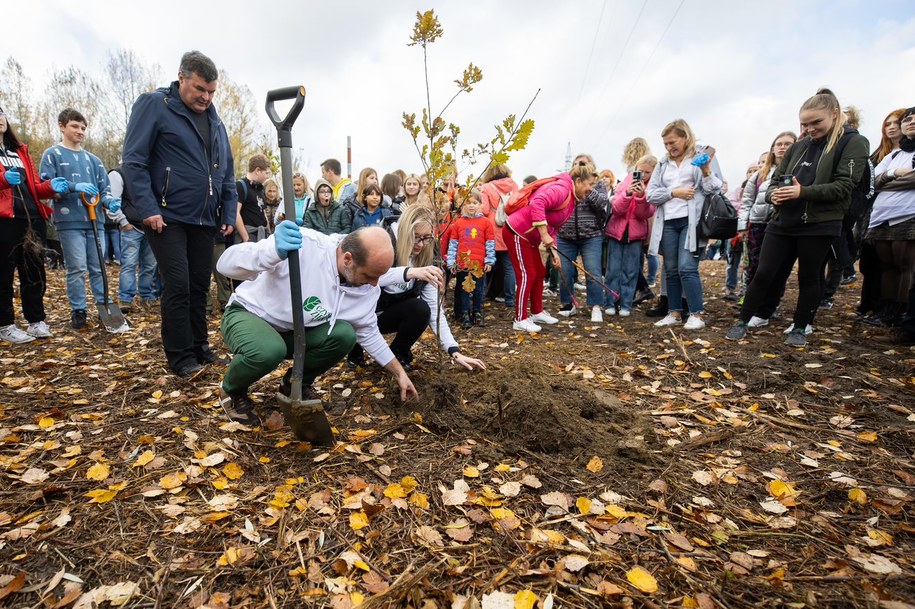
(681, 267)
(462, 296)
(113, 243)
(734, 254)
(590, 251)
(81, 255)
(652, 268)
(508, 282)
(136, 257)
(622, 271)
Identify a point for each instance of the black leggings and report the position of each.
(777, 251)
(409, 319)
(898, 260)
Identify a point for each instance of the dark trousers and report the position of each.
(184, 253)
(463, 297)
(871, 275)
(810, 253)
(409, 319)
(30, 265)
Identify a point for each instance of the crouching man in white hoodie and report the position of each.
(339, 292)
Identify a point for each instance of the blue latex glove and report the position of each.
(701, 159)
(287, 238)
(60, 185)
(114, 204)
(86, 187)
(13, 177)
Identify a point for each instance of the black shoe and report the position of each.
(849, 280)
(188, 370)
(125, 308)
(238, 407)
(642, 297)
(355, 360)
(78, 319)
(206, 356)
(478, 319)
(465, 321)
(827, 303)
(404, 361)
(730, 295)
(659, 310)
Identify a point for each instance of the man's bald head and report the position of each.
(365, 255)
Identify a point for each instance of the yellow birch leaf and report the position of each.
(471, 472)
(781, 489)
(525, 599)
(503, 467)
(356, 598)
(264, 459)
(687, 563)
(420, 500)
(868, 436)
(144, 458)
(45, 422)
(689, 603)
(361, 564)
(616, 511)
(157, 394)
(98, 472)
(881, 536)
(769, 355)
(583, 504)
(705, 374)
(229, 557)
(358, 520)
(395, 491)
(299, 572)
(595, 464)
(173, 480)
(409, 483)
(233, 471)
(642, 579)
(220, 483)
(858, 496)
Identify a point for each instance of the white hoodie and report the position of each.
(266, 293)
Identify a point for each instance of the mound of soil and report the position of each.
(530, 407)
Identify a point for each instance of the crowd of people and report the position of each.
(382, 255)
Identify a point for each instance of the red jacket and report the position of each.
(469, 236)
(39, 190)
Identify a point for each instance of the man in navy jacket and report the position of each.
(180, 172)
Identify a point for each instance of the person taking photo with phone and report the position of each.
(810, 191)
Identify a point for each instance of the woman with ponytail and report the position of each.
(809, 191)
(548, 208)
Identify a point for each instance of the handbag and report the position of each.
(718, 219)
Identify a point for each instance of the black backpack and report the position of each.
(718, 219)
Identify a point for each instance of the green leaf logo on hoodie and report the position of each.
(312, 306)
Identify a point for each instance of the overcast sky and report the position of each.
(607, 70)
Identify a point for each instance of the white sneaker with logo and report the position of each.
(526, 325)
(543, 318)
(694, 323)
(596, 315)
(39, 329)
(669, 320)
(757, 322)
(12, 334)
(807, 331)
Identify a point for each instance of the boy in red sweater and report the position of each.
(471, 250)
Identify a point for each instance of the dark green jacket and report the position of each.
(338, 219)
(829, 197)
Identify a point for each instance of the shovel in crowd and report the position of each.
(110, 314)
(305, 417)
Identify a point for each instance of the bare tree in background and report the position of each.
(128, 77)
(16, 97)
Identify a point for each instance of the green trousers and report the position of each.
(259, 348)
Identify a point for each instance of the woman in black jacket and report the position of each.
(810, 191)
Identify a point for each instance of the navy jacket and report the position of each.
(166, 167)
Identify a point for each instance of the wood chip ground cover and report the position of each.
(611, 464)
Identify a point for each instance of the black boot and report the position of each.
(660, 309)
(879, 317)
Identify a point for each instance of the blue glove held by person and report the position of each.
(60, 185)
(287, 238)
(13, 177)
(86, 187)
(700, 159)
(114, 204)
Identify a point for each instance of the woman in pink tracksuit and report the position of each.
(537, 222)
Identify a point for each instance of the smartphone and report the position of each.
(786, 180)
(636, 176)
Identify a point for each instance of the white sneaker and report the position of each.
(568, 312)
(39, 329)
(625, 313)
(757, 322)
(580, 287)
(544, 318)
(596, 315)
(611, 310)
(807, 331)
(12, 334)
(694, 323)
(526, 325)
(549, 292)
(670, 320)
